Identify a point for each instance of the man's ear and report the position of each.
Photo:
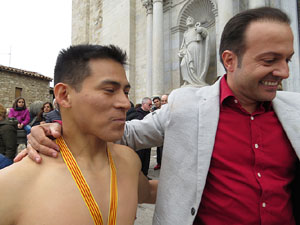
(62, 94)
(230, 60)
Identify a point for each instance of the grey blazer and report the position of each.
(186, 126)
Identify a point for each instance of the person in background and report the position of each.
(138, 105)
(144, 154)
(41, 116)
(159, 150)
(131, 113)
(53, 115)
(157, 104)
(8, 138)
(164, 99)
(21, 113)
(34, 109)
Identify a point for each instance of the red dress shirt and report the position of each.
(252, 166)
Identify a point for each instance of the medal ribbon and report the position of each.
(85, 189)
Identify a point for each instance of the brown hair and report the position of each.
(16, 103)
(233, 36)
(40, 115)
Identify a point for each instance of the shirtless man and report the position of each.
(92, 92)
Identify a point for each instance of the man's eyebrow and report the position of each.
(272, 53)
(114, 83)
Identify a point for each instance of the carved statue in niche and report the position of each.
(194, 54)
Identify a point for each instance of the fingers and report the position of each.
(55, 130)
(21, 155)
(39, 141)
(33, 154)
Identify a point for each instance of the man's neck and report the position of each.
(87, 149)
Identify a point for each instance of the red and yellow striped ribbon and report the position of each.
(85, 189)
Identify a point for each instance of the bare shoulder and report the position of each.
(125, 155)
(15, 181)
(18, 182)
(17, 173)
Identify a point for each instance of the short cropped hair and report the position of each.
(145, 100)
(72, 64)
(233, 36)
(156, 98)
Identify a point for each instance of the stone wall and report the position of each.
(33, 89)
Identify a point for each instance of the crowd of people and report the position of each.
(231, 150)
(19, 117)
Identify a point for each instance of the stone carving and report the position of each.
(148, 4)
(194, 54)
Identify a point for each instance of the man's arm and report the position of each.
(38, 140)
(147, 190)
(146, 133)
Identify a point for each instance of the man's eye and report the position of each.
(110, 90)
(269, 61)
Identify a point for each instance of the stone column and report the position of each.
(148, 5)
(224, 13)
(158, 48)
(256, 4)
(293, 82)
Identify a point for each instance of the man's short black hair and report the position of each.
(156, 98)
(233, 36)
(72, 64)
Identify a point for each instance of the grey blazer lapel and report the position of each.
(287, 110)
(209, 110)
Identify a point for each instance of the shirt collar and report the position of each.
(226, 93)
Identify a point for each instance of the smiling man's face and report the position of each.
(264, 64)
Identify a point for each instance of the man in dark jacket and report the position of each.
(131, 113)
(144, 154)
(8, 138)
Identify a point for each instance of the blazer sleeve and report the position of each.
(146, 133)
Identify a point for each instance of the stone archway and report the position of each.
(203, 11)
(200, 10)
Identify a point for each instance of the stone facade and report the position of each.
(30, 85)
(132, 25)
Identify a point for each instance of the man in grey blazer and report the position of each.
(231, 149)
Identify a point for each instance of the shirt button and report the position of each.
(256, 145)
(235, 101)
(193, 211)
(263, 204)
(258, 174)
(252, 118)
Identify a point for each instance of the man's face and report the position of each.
(157, 103)
(100, 107)
(164, 99)
(147, 105)
(269, 48)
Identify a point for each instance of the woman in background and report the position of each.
(21, 113)
(41, 117)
